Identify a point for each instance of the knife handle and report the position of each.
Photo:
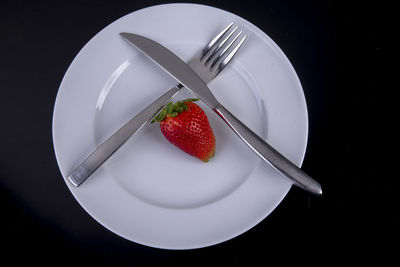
(268, 153)
(108, 147)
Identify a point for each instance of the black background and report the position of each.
(336, 49)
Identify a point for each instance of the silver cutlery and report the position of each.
(189, 79)
(208, 63)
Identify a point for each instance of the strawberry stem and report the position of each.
(173, 109)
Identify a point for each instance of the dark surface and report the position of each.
(337, 52)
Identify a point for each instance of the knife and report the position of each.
(178, 69)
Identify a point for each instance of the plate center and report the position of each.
(147, 166)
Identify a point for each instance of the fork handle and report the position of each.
(268, 153)
(108, 147)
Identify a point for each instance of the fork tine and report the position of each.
(214, 41)
(221, 54)
(219, 45)
(229, 57)
(211, 61)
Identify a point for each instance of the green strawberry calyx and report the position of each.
(173, 109)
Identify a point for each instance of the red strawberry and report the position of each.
(185, 125)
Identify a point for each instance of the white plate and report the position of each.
(150, 192)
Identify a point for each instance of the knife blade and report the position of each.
(179, 70)
(172, 64)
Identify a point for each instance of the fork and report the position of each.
(207, 63)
